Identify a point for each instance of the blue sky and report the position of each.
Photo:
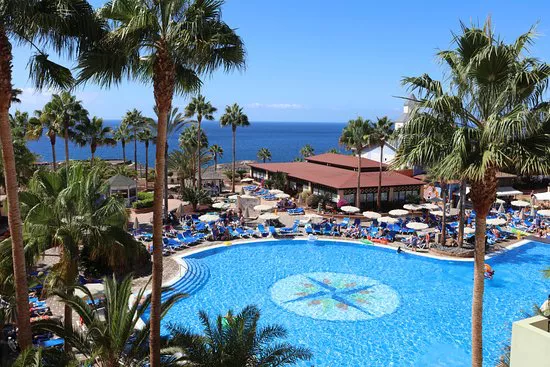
(320, 60)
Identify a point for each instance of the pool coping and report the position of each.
(180, 258)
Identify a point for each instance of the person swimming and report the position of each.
(399, 250)
(489, 272)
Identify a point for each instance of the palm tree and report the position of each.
(122, 133)
(307, 151)
(264, 154)
(489, 118)
(333, 150)
(217, 152)
(355, 136)
(195, 196)
(92, 133)
(24, 127)
(169, 43)
(112, 340)
(66, 112)
(381, 131)
(175, 122)
(71, 210)
(188, 142)
(135, 120)
(235, 340)
(234, 117)
(203, 109)
(182, 163)
(59, 27)
(15, 93)
(146, 136)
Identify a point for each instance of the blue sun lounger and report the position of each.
(262, 230)
(52, 343)
(273, 231)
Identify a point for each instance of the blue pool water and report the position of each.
(358, 305)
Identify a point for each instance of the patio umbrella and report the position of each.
(314, 218)
(544, 212)
(435, 199)
(269, 216)
(349, 209)
(209, 218)
(453, 211)
(232, 197)
(247, 213)
(469, 230)
(248, 179)
(136, 223)
(282, 196)
(499, 201)
(532, 214)
(220, 205)
(437, 213)
(501, 208)
(398, 212)
(276, 191)
(520, 203)
(263, 208)
(416, 225)
(412, 207)
(496, 221)
(96, 289)
(429, 206)
(372, 215)
(389, 220)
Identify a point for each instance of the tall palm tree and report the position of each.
(235, 340)
(307, 151)
(175, 122)
(122, 133)
(146, 136)
(202, 108)
(51, 129)
(24, 126)
(71, 210)
(355, 136)
(112, 340)
(92, 133)
(188, 142)
(381, 131)
(264, 154)
(169, 43)
(217, 152)
(491, 116)
(66, 27)
(15, 93)
(135, 120)
(234, 117)
(66, 112)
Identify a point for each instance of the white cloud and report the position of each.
(277, 106)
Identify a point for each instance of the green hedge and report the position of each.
(140, 204)
(145, 195)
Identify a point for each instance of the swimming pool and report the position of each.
(359, 305)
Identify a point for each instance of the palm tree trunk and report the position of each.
(215, 162)
(163, 90)
(52, 142)
(462, 200)
(93, 148)
(165, 212)
(123, 151)
(479, 288)
(444, 217)
(198, 155)
(358, 191)
(146, 164)
(234, 158)
(24, 336)
(135, 151)
(66, 137)
(379, 195)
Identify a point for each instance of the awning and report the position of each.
(504, 191)
(543, 196)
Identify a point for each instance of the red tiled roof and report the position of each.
(338, 178)
(345, 161)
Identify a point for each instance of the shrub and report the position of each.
(144, 195)
(313, 201)
(141, 204)
(413, 199)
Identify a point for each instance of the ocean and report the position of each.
(283, 139)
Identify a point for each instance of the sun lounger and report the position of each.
(297, 211)
(241, 232)
(273, 231)
(263, 232)
(52, 343)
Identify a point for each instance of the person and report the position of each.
(414, 241)
(399, 250)
(489, 272)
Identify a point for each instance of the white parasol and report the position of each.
(389, 220)
(469, 230)
(276, 191)
(398, 212)
(417, 225)
(221, 205)
(372, 215)
(349, 209)
(136, 223)
(412, 207)
(232, 197)
(282, 196)
(209, 218)
(429, 206)
(499, 201)
(269, 216)
(248, 179)
(437, 213)
(501, 208)
(496, 221)
(544, 212)
(263, 208)
(313, 218)
(520, 203)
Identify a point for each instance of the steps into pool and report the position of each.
(192, 281)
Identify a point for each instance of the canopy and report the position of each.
(221, 205)
(496, 221)
(372, 215)
(263, 208)
(520, 203)
(389, 220)
(417, 225)
(543, 196)
(120, 182)
(398, 212)
(544, 212)
(269, 216)
(209, 218)
(412, 207)
(349, 209)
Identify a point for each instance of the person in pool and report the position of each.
(489, 272)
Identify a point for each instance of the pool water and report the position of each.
(359, 305)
